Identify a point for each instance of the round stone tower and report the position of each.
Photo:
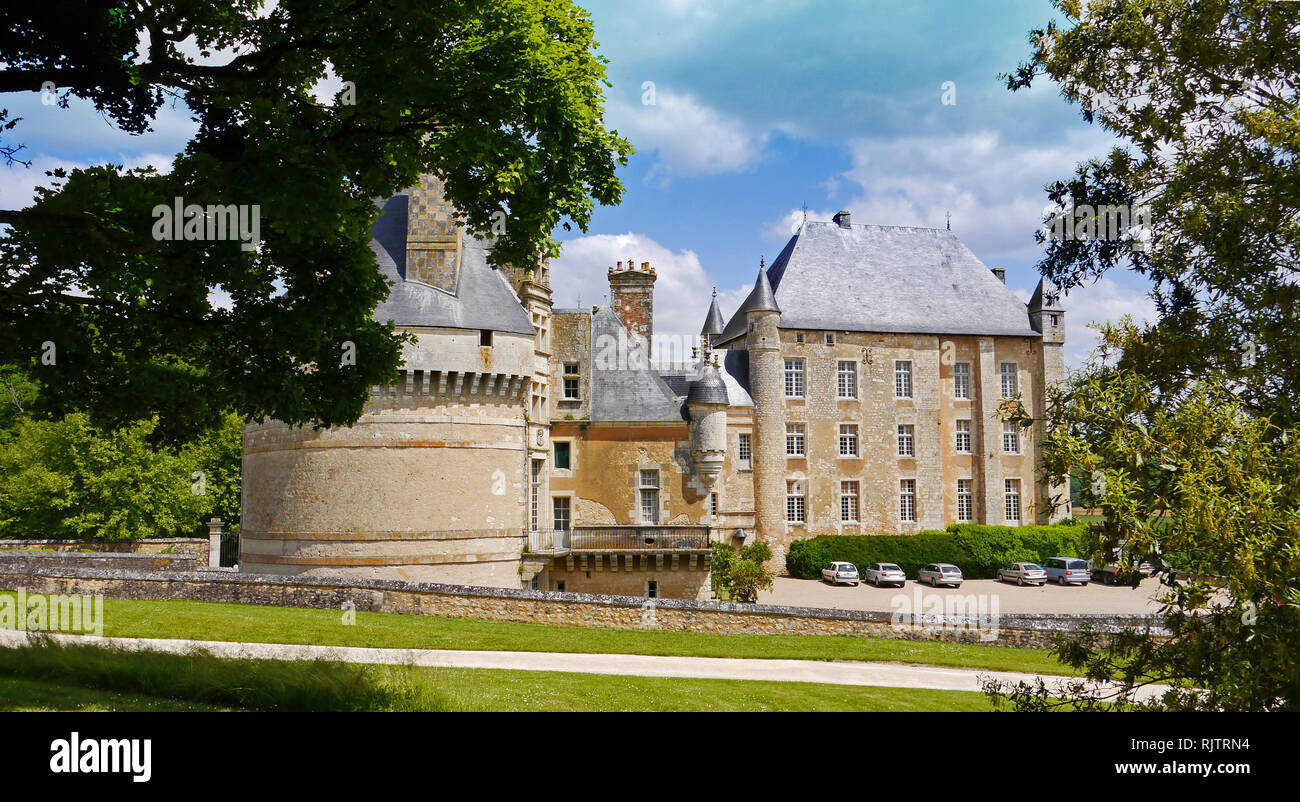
(433, 482)
(766, 375)
(706, 400)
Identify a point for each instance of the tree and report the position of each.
(67, 479)
(1207, 492)
(741, 573)
(502, 100)
(1205, 96)
(1183, 432)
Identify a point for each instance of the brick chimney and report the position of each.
(842, 219)
(632, 295)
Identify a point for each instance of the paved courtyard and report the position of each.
(1090, 598)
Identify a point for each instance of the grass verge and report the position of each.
(194, 620)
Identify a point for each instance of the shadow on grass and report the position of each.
(265, 685)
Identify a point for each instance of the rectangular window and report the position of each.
(485, 337)
(1013, 500)
(560, 508)
(798, 336)
(846, 379)
(572, 382)
(745, 453)
(562, 455)
(652, 589)
(849, 502)
(907, 500)
(964, 499)
(830, 337)
(794, 502)
(961, 380)
(649, 497)
(963, 437)
(1010, 438)
(906, 444)
(713, 504)
(902, 379)
(848, 440)
(794, 378)
(794, 439)
(1008, 371)
(534, 489)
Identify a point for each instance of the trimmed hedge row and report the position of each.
(978, 550)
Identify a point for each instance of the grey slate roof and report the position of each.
(483, 299)
(1046, 297)
(620, 391)
(713, 323)
(887, 279)
(707, 387)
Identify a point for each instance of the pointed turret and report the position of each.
(1046, 314)
(761, 298)
(713, 322)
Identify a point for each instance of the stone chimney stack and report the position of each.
(632, 296)
(1001, 273)
(842, 219)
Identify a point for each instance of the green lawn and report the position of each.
(25, 696)
(45, 676)
(244, 622)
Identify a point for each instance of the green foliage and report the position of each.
(66, 479)
(979, 551)
(740, 573)
(502, 100)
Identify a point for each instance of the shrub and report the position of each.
(978, 550)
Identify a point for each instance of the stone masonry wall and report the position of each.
(502, 604)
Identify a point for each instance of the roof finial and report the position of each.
(715, 292)
(949, 221)
(762, 265)
(805, 211)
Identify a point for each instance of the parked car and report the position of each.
(1113, 572)
(940, 574)
(1023, 574)
(881, 574)
(1067, 570)
(835, 573)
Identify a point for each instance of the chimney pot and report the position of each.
(645, 265)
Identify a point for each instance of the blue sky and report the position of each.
(760, 107)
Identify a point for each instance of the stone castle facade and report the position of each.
(859, 389)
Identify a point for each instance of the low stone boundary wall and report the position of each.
(548, 607)
(196, 547)
(42, 561)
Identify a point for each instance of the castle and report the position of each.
(857, 390)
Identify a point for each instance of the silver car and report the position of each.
(1023, 574)
(835, 573)
(881, 574)
(937, 574)
(1067, 570)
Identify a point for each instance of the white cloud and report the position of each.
(683, 290)
(688, 137)
(1105, 301)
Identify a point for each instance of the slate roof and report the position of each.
(707, 387)
(713, 322)
(620, 391)
(887, 279)
(483, 299)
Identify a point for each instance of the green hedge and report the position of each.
(978, 550)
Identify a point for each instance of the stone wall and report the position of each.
(42, 561)
(191, 546)
(545, 607)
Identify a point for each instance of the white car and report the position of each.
(881, 574)
(937, 574)
(835, 573)
(1023, 573)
